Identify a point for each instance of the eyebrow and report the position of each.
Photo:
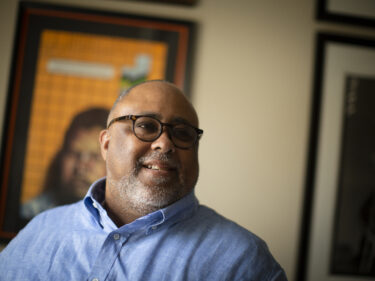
(150, 114)
(181, 120)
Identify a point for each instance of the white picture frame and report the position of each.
(337, 58)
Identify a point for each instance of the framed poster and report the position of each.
(69, 66)
(359, 12)
(338, 226)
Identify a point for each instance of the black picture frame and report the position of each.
(348, 13)
(338, 57)
(34, 18)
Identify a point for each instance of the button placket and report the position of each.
(107, 256)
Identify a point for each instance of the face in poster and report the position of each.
(78, 77)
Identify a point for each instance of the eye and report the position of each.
(184, 133)
(147, 126)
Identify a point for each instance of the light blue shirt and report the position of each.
(184, 241)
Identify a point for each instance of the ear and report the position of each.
(104, 138)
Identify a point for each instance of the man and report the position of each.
(75, 166)
(143, 221)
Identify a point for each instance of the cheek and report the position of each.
(122, 156)
(190, 166)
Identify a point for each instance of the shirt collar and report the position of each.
(93, 202)
(180, 210)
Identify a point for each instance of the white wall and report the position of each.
(252, 83)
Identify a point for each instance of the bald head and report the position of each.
(154, 96)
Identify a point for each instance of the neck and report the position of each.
(122, 209)
(121, 215)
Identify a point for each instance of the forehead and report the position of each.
(161, 99)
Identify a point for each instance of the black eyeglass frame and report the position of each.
(169, 125)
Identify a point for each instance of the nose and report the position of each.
(164, 142)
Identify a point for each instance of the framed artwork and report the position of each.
(338, 226)
(360, 12)
(69, 65)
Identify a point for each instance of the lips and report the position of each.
(159, 166)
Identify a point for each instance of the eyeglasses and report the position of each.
(149, 129)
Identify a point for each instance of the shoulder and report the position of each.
(240, 252)
(47, 224)
(216, 223)
(57, 216)
(47, 237)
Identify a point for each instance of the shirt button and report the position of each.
(116, 236)
(95, 279)
(154, 227)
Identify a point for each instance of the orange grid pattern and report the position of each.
(57, 98)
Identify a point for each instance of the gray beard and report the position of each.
(145, 199)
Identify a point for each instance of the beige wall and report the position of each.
(252, 83)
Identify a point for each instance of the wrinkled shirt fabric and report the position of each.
(184, 241)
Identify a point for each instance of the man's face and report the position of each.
(82, 164)
(149, 175)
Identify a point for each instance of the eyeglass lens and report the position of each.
(149, 129)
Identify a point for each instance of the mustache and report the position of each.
(164, 158)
